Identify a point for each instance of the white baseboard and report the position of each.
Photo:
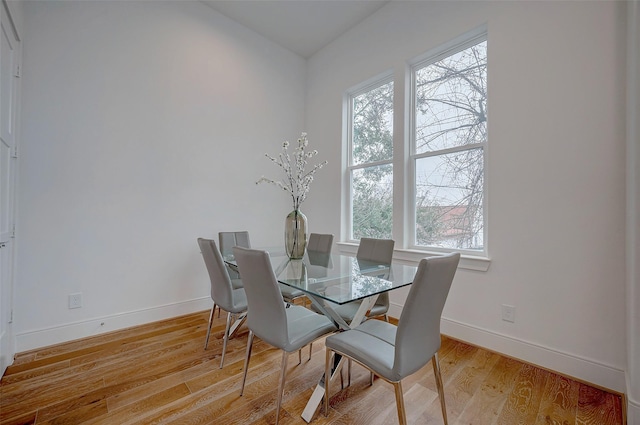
(95, 326)
(633, 413)
(587, 370)
(633, 406)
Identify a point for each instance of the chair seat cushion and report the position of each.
(371, 344)
(304, 326)
(380, 329)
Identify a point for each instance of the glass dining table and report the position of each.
(330, 280)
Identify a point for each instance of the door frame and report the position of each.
(9, 129)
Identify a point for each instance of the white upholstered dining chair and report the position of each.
(224, 295)
(288, 328)
(395, 352)
(370, 251)
(318, 245)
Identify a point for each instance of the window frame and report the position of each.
(456, 45)
(371, 84)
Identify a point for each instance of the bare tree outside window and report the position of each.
(450, 135)
(370, 163)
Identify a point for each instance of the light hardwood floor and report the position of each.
(159, 373)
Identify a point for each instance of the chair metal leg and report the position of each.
(402, 415)
(349, 373)
(436, 371)
(225, 339)
(283, 375)
(300, 353)
(246, 360)
(327, 380)
(370, 378)
(206, 341)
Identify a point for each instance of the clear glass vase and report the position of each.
(295, 234)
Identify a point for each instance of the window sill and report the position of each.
(413, 257)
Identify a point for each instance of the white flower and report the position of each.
(296, 181)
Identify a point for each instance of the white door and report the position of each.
(9, 74)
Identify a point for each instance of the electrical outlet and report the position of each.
(75, 300)
(508, 313)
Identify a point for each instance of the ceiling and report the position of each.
(302, 26)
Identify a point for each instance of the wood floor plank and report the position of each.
(524, 400)
(356, 403)
(216, 400)
(559, 402)
(485, 405)
(596, 406)
(64, 355)
(467, 382)
(27, 418)
(157, 366)
(160, 373)
(134, 333)
(45, 397)
(262, 392)
(24, 357)
(142, 406)
(46, 371)
(141, 392)
(452, 363)
(82, 414)
(417, 400)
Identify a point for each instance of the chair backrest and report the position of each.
(418, 334)
(319, 254)
(375, 250)
(228, 240)
(221, 289)
(320, 243)
(266, 315)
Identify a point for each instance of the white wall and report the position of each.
(144, 127)
(556, 169)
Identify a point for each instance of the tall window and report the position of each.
(449, 139)
(370, 161)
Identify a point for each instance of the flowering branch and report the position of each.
(296, 182)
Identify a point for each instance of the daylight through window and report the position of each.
(450, 135)
(370, 162)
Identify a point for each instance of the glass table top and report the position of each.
(337, 278)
